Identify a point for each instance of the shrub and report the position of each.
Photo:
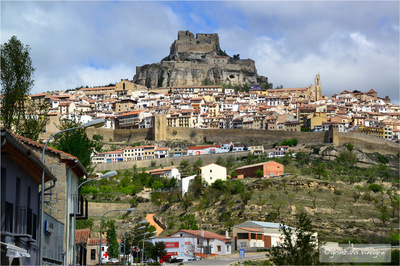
(382, 159)
(338, 192)
(316, 150)
(350, 146)
(97, 137)
(375, 187)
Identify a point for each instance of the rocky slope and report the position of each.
(198, 61)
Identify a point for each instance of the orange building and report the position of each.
(269, 169)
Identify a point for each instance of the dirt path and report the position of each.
(149, 218)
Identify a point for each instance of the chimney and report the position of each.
(227, 234)
(202, 233)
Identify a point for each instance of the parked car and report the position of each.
(175, 259)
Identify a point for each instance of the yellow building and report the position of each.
(373, 131)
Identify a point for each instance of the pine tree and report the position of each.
(112, 240)
(298, 248)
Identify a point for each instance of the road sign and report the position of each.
(241, 253)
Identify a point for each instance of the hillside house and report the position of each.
(212, 172)
(269, 169)
(168, 173)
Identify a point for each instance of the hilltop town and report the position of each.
(127, 105)
(211, 156)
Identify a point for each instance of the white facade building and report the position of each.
(212, 172)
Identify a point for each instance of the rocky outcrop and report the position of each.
(195, 61)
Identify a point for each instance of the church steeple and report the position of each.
(317, 86)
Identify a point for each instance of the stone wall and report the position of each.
(166, 162)
(245, 136)
(369, 144)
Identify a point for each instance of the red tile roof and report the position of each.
(207, 234)
(82, 235)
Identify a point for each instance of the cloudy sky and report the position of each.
(353, 45)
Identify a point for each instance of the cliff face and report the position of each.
(198, 61)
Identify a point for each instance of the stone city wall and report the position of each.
(167, 162)
(369, 144)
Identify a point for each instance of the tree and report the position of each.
(16, 83)
(197, 164)
(35, 120)
(321, 170)
(347, 158)
(356, 196)
(76, 143)
(278, 203)
(313, 197)
(188, 222)
(335, 201)
(157, 250)
(259, 173)
(298, 247)
(246, 196)
(184, 165)
(220, 161)
(236, 56)
(112, 239)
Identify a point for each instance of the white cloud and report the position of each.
(353, 45)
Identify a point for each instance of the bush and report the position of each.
(97, 137)
(338, 192)
(375, 187)
(316, 150)
(350, 146)
(382, 159)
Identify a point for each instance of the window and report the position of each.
(243, 236)
(242, 244)
(227, 248)
(210, 170)
(92, 254)
(8, 225)
(219, 248)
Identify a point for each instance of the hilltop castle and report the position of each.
(196, 61)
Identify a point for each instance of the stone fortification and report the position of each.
(248, 137)
(195, 60)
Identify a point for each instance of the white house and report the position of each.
(189, 245)
(254, 235)
(161, 152)
(212, 172)
(171, 172)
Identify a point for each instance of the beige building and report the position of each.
(212, 172)
(126, 87)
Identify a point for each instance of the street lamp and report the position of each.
(143, 246)
(106, 175)
(142, 227)
(101, 227)
(96, 123)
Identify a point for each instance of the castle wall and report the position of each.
(369, 144)
(165, 162)
(193, 47)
